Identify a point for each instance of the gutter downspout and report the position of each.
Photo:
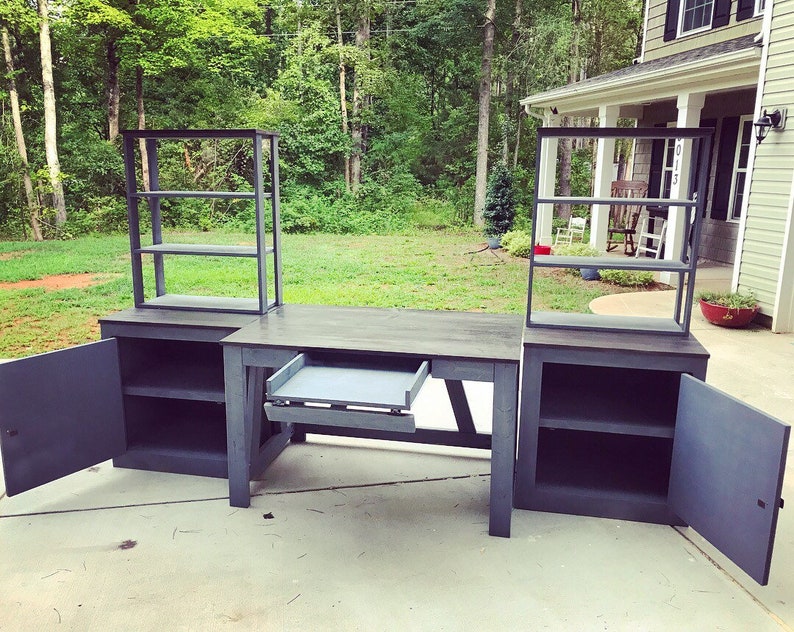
(766, 28)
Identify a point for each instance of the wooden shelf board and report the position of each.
(640, 429)
(612, 263)
(568, 199)
(607, 323)
(209, 303)
(233, 195)
(201, 249)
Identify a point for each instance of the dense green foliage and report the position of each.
(411, 82)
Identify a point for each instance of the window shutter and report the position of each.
(655, 173)
(725, 160)
(671, 20)
(722, 13)
(697, 157)
(745, 9)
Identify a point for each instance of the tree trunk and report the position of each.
(50, 121)
(512, 107)
(358, 129)
(566, 144)
(142, 125)
(113, 89)
(483, 119)
(342, 90)
(33, 207)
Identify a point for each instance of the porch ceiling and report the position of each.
(716, 68)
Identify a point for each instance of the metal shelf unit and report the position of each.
(684, 265)
(268, 242)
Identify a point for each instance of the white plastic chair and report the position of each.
(575, 228)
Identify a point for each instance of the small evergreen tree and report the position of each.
(500, 202)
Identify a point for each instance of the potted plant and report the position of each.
(728, 309)
(499, 211)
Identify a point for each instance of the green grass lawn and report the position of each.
(427, 270)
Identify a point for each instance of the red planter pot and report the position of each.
(727, 316)
(542, 250)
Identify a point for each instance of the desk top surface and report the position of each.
(405, 332)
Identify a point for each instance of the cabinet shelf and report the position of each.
(184, 437)
(233, 195)
(202, 249)
(595, 464)
(602, 322)
(613, 263)
(207, 303)
(658, 202)
(200, 382)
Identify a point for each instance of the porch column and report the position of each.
(545, 185)
(689, 108)
(602, 183)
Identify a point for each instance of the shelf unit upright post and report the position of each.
(684, 265)
(159, 248)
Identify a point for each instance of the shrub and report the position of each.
(518, 243)
(500, 202)
(627, 278)
(578, 249)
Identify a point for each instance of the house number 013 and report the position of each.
(679, 151)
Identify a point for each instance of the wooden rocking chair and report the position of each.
(623, 216)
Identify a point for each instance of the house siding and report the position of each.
(656, 47)
(770, 189)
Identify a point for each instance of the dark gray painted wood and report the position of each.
(169, 324)
(416, 333)
(209, 303)
(60, 412)
(391, 384)
(430, 436)
(727, 474)
(202, 249)
(460, 406)
(341, 418)
(503, 448)
(598, 414)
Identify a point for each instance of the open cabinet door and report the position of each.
(727, 474)
(60, 412)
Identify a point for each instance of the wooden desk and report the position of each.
(459, 345)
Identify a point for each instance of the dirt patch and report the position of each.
(14, 254)
(58, 282)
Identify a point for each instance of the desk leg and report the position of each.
(503, 447)
(237, 434)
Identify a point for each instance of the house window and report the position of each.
(759, 6)
(743, 146)
(695, 16)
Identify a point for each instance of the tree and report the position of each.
(30, 197)
(50, 119)
(499, 210)
(483, 118)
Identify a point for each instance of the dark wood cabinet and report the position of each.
(150, 396)
(621, 425)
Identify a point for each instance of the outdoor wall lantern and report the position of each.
(775, 120)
